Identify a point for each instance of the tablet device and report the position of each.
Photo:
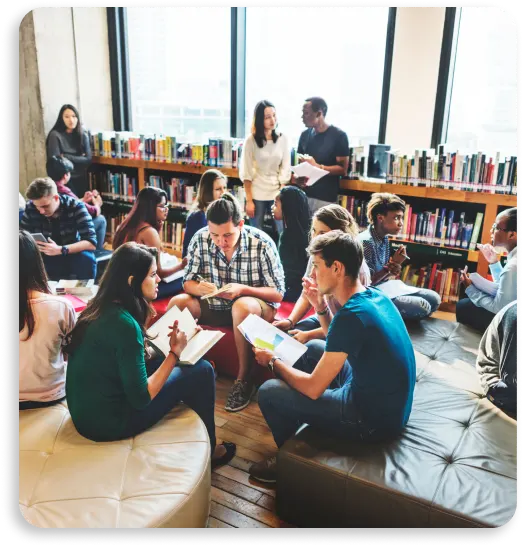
(39, 237)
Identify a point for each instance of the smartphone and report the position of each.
(39, 237)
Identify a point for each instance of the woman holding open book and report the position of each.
(44, 320)
(143, 225)
(112, 392)
(265, 164)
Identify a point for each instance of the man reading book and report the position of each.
(362, 386)
(479, 308)
(386, 216)
(226, 252)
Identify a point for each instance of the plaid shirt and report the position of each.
(75, 223)
(376, 250)
(255, 263)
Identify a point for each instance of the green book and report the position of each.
(476, 232)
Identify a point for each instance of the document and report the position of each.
(395, 288)
(262, 334)
(198, 342)
(483, 284)
(167, 260)
(313, 173)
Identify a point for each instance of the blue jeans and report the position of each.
(193, 385)
(169, 289)
(73, 266)
(311, 323)
(334, 412)
(100, 224)
(472, 315)
(417, 305)
(260, 210)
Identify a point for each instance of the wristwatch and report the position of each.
(271, 363)
(65, 250)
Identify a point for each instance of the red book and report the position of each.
(78, 305)
(438, 284)
(432, 275)
(413, 227)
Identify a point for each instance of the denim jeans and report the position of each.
(310, 323)
(260, 210)
(100, 225)
(72, 266)
(169, 289)
(285, 409)
(473, 316)
(193, 385)
(417, 305)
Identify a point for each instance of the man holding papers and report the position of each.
(233, 271)
(323, 146)
(362, 386)
(484, 300)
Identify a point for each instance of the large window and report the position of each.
(483, 107)
(180, 71)
(335, 53)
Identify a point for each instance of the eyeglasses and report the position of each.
(165, 206)
(495, 227)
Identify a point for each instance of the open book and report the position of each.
(218, 291)
(262, 334)
(483, 284)
(198, 343)
(168, 261)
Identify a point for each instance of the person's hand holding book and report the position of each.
(300, 336)
(177, 340)
(204, 287)
(234, 291)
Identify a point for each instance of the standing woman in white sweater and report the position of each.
(265, 164)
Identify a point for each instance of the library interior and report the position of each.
(201, 210)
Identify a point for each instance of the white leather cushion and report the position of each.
(161, 478)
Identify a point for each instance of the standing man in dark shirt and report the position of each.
(329, 149)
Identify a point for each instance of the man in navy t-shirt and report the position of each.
(329, 149)
(362, 386)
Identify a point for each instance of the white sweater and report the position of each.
(268, 168)
(42, 363)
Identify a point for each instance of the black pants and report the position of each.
(472, 315)
(28, 405)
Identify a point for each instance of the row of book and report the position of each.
(454, 171)
(116, 186)
(441, 228)
(444, 281)
(180, 192)
(356, 207)
(217, 152)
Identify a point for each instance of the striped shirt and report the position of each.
(72, 224)
(376, 249)
(255, 263)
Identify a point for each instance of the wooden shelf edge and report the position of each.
(473, 256)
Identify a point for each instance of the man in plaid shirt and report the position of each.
(68, 228)
(227, 252)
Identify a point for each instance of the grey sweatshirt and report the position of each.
(497, 358)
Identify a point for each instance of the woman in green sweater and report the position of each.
(112, 392)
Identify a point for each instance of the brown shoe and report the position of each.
(265, 471)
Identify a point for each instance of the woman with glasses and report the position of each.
(143, 225)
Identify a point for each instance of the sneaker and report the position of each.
(265, 471)
(239, 395)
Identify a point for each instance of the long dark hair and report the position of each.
(205, 188)
(130, 259)
(60, 126)
(257, 127)
(143, 210)
(32, 277)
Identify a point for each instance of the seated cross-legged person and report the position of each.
(60, 169)
(479, 308)
(68, 227)
(44, 321)
(386, 216)
(143, 224)
(112, 393)
(228, 252)
(362, 386)
(325, 219)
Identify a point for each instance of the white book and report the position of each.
(198, 342)
(76, 287)
(262, 334)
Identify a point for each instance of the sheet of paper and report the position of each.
(313, 173)
(483, 284)
(395, 288)
(262, 334)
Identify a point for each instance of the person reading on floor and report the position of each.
(67, 227)
(362, 386)
(44, 321)
(479, 308)
(112, 391)
(143, 224)
(212, 185)
(227, 252)
(386, 216)
(330, 217)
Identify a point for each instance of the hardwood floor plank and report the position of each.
(245, 453)
(215, 523)
(228, 435)
(219, 421)
(243, 429)
(244, 507)
(243, 478)
(235, 519)
(234, 487)
(267, 501)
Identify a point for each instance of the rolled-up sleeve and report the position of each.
(247, 160)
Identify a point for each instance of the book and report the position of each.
(218, 291)
(262, 334)
(199, 342)
(76, 287)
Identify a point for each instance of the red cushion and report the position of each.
(160, 306)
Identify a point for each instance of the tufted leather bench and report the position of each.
(455, 465)
(160, 478)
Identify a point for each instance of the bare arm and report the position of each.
(157, 380)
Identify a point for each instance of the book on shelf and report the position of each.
(434, 276)
(114, 186)
(199, 342)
